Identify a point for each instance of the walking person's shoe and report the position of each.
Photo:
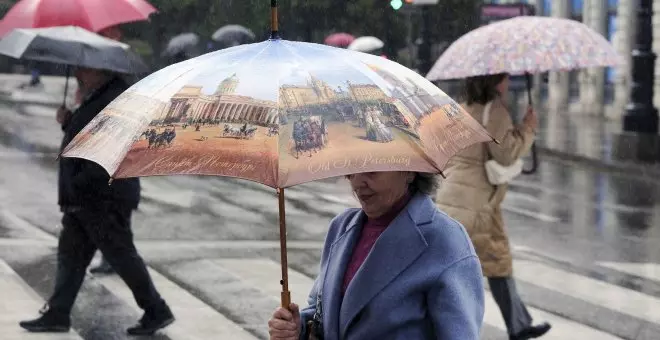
(152, 320)
(532, 332)
(103, 268)
(49, 322)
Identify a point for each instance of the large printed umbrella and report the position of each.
(278, 113)
(524, 45)
(93, 15)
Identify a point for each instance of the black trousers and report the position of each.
(513, 310)
(109, 230)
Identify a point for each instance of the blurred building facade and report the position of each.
(595, 91)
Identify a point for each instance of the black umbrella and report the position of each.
(71, 46)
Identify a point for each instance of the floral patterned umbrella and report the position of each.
(522, 45)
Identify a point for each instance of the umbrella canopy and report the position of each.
(279, 113)
(366, 44)
(93, 15)
(73, 46)
(233, 35)
(182, 43)
(524, 45)
(342, 40)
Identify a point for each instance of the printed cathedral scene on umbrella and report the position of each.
(279, 113)
(523, 46)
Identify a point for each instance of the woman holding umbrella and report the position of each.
(468, 196)
(396, 268)
(485, 57)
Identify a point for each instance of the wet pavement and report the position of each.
(585, 242)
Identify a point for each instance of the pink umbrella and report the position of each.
(92, 15)
(339, 40)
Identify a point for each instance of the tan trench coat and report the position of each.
(467, 196)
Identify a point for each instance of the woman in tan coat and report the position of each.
(467, 195)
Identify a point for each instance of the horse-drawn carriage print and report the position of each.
(157, 139)
(245, 131)
(309, 135)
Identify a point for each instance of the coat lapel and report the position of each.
(340, 255)
(396, 249)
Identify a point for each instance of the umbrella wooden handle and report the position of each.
(286, 295)
(286, 299)
(273, 19)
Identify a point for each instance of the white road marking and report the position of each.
(264, 273)
(20, 302)
(562, 328)
(18, 223)
(599, 293)
(649, 271)
(530, 214)
(195, 320)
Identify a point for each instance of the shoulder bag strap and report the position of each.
(485, 117)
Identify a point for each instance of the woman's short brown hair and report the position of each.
(482, 89)
(424, 183)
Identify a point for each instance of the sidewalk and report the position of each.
(593, 141)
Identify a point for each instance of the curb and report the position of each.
(644, 171)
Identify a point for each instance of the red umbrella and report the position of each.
(93, 15)
(339, 40)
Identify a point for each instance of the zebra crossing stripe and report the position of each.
(20, 302)
(599, 293)
(195, 320)
(264, 274)
(649, 271)
(562, 328)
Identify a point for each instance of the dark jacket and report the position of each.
(82, 183)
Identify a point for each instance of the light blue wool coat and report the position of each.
(421, 280)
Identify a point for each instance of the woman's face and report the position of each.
(503, 86)
(378, 192)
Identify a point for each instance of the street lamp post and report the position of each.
(641, 116)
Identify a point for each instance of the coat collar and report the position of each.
(396, 249)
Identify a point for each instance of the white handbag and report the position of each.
(497, 173)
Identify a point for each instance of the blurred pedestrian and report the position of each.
(468, 196)
(114, 33)
(398, 268)
(96, 216)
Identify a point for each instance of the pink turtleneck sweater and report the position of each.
(371, 230)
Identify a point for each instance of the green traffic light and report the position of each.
(396, 4)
